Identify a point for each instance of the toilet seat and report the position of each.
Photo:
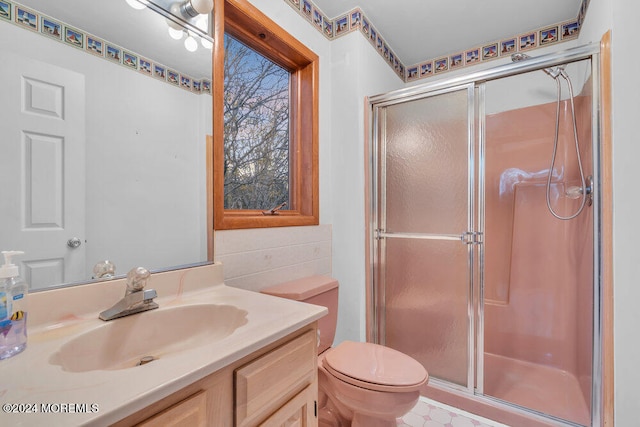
(374, 367)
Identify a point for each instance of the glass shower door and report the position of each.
(538, 305)
(425, 231)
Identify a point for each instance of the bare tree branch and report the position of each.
(256, 132)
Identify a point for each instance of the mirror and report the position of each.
(103, 142)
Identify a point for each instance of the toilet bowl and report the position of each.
(359, 384)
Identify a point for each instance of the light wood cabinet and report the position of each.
(192, 411)
(275, 386)
(267, 383)
(300, 411)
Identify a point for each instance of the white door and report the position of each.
(42, 169)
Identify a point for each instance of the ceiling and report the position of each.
(424, 29)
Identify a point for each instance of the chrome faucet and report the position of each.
(136, 298)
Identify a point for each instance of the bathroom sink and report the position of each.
(152, 335)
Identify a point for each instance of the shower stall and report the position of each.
(484, 225)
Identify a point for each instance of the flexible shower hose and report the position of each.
(584, 190)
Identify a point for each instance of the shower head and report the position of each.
(553, 72)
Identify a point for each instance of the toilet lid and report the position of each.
(375, 364)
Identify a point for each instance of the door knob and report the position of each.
(74, 242)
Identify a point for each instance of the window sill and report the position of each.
(255, 219)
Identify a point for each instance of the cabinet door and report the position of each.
(267, 383)
(191, 412)
(298, 412)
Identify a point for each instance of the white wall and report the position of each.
(357, 71)
(626, 266)
(621, 17)
(143, 138)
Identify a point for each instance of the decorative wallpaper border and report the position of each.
(55, 29)
(355, 20)
(346, 23)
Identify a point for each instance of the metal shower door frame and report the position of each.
(476, 80)
(470, 236)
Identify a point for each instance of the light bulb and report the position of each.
(206, 43)
(175, 34)
(202, 6)
(202, 22)
(175, 10)
(172, 23)
(190, 44)
(137, 4)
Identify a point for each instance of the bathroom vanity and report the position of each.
(273, 386)
(220, 356)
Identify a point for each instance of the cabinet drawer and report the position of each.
(190, 412)
(268, 382)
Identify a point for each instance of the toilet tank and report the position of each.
(318, 290)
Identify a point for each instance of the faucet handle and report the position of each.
(137, 279)
(149, 295)
(104, 270)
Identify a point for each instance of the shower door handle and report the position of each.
(468, 237)
(380, 234)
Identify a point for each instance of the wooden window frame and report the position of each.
(247, 24)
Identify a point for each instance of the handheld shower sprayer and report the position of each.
(585, 190)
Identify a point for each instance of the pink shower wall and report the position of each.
(538, 269)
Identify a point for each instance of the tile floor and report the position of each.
(429, 413)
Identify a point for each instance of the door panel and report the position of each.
(44, 192)
(424, 220)
(426, 165)
(426, 310)
(43, 169)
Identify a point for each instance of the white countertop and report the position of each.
(31, 381)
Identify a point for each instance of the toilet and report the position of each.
(359, 384)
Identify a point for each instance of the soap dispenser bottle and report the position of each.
(13, 308)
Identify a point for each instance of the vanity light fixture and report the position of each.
(189, 9)
(191, 42)
(194, 8)
(194, 12)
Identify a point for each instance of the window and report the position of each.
(256, 129)
(265, 122)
